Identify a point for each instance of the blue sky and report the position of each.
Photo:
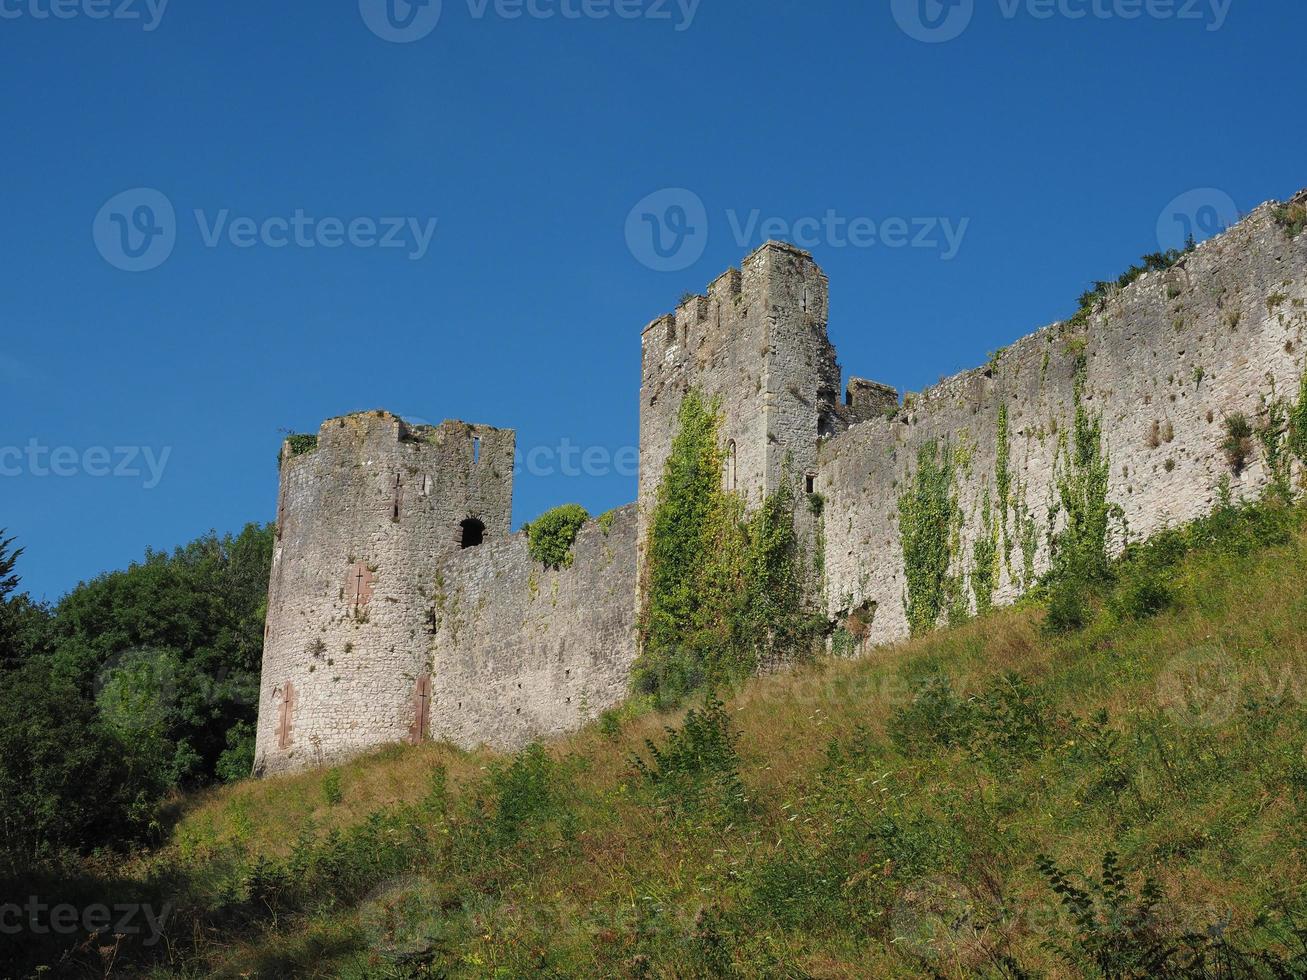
(1052, 145)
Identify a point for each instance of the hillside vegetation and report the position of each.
(1116, 789)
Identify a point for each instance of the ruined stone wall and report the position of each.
(757, 342)
(1166, 362)
(364, 522)
(522, 652)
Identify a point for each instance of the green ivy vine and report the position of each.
(930, 522)
(723, 589)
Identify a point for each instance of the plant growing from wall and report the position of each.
(1238, 442)
(551, 535)
(1298, 423)
(1002, 474)
(1292, 218)
(299, 444)
(1093, 300)
(724, 590)
(1079, 550)
(985, 558)
(1028, 538)
(1273, 434)
(929, 517)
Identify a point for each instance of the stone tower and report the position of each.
(756, 342)
(365, 519)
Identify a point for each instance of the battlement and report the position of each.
(729, 287)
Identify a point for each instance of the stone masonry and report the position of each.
(400, 607)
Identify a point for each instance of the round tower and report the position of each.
(368, 511)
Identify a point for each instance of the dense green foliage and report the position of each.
(137, 683)
(1080, 547)
(929, 518)
(725, 588)
(299, 444)
(551, 535)
(68, 780)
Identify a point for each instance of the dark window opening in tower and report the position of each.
(810, 483)
(476, 449)
(473, 532)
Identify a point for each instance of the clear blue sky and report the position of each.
(1059, 140)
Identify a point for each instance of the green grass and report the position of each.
(1126, 798)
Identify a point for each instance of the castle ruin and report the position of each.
(401, 607)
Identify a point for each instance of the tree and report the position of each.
(8, 560)
(23, 623)
(67, 783)
(194, 617)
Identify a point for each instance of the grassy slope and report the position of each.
(852, 853)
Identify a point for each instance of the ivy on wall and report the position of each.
(985, 558)
(929, 523)
(1003, 477)
(1079, 549)
(724, 589)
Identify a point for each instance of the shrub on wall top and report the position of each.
(551, 535)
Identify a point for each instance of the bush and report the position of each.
(1068, 606)
(237, 760)
(551, 535)
(697, 772)
(331, 788)
(936, 716)
(1014, 719)
(522, 791)
(1140, 595)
